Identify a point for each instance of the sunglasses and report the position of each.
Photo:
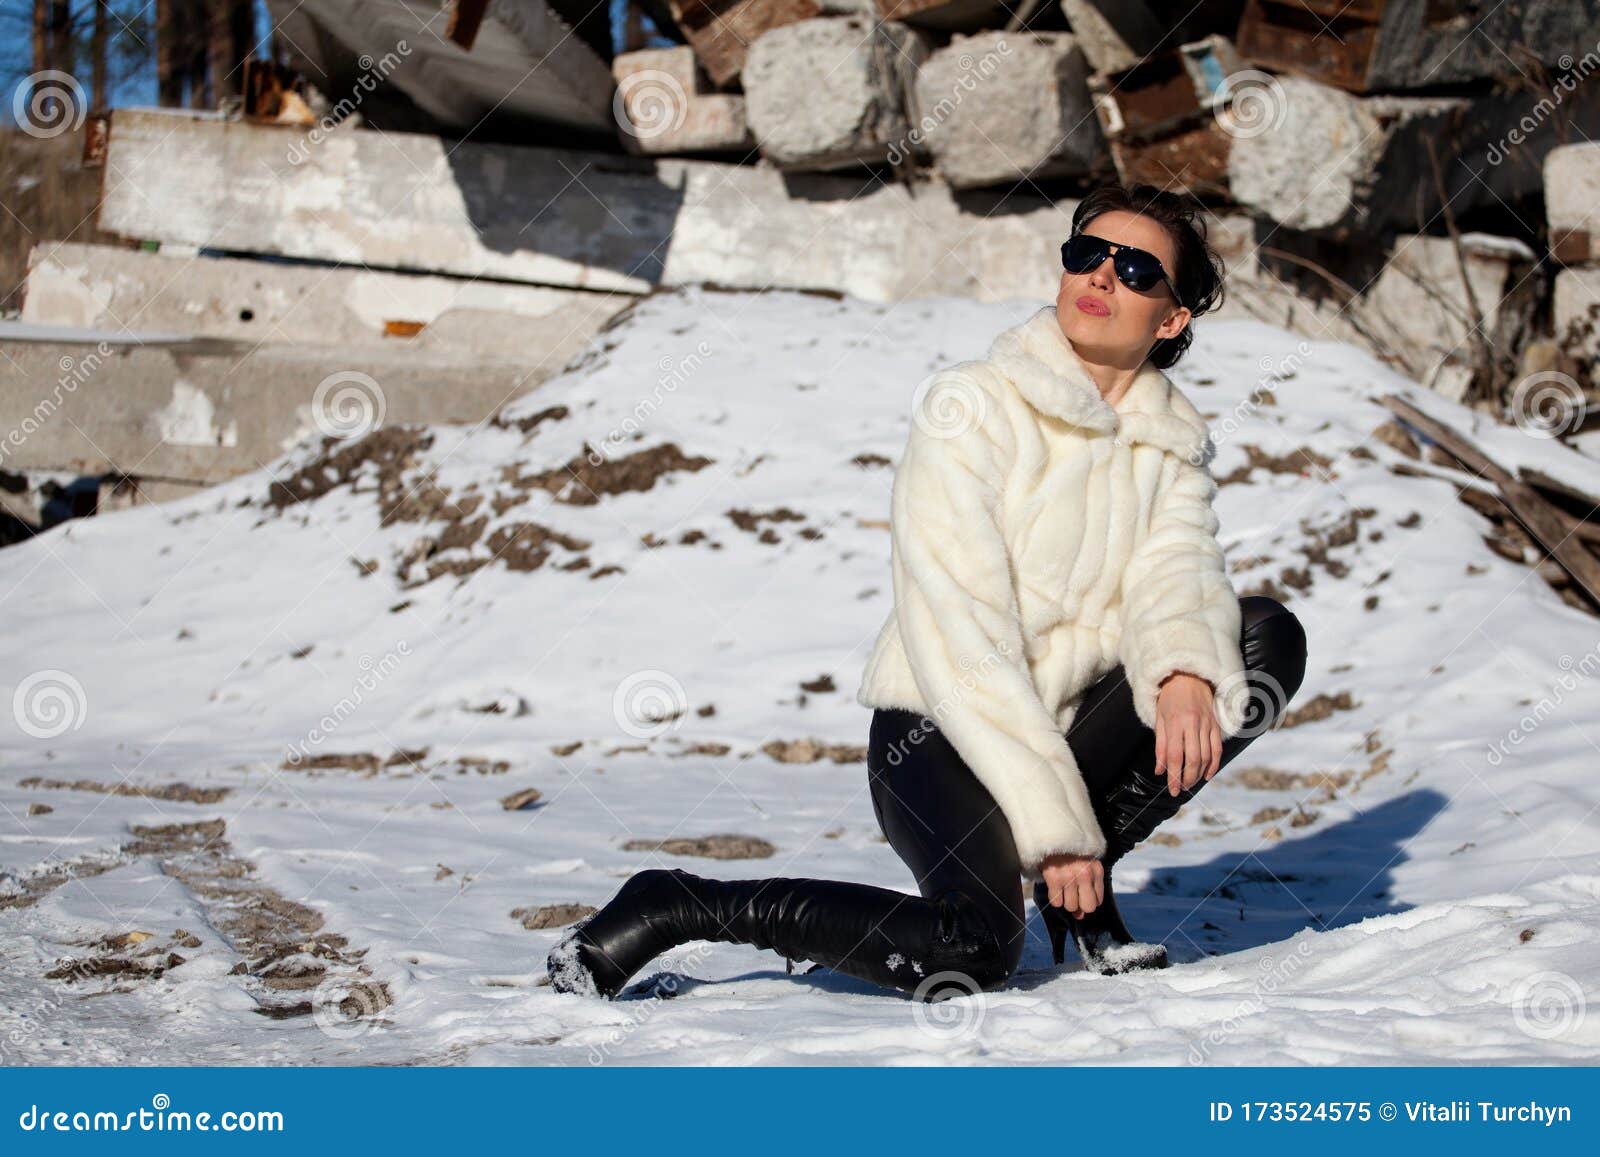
(1137, 269)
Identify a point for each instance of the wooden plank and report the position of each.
(1551, 527)
(1540, 520)
(1458, 446)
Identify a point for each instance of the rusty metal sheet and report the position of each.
(466, 17)
(721, 31)
(1313, 38)
(1193, 159)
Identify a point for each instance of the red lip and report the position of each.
(1090, 305)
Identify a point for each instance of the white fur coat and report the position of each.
(1040, 536)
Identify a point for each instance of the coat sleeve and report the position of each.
(957, 613)
(1180, 611)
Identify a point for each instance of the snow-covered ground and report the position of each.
(1407, 874)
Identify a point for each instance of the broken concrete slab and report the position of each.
(434, 320)
(1037, 122)
(829, 93)
(191, 419)
(525, 62)
(573, 218)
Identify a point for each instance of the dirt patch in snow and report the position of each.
(811, 750)
(1302, 461)
(552, 915)
(583, 480)
(282, 943)
(171, 792)
(385, 454)
(717, 847)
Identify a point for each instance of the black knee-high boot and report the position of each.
(1273, 643)
(1129, 813)
(875, 934)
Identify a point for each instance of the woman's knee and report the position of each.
(988, 943)
(1274, 641)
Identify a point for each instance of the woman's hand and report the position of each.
(1188, 739)
(1076, 883)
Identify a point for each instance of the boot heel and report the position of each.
(1056, 922)
(1102, 939)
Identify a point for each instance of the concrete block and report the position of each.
(1114, 34)
(1576, 310)
(999, 106)
(1571, 194)
(722, 31)
(1313, 157)
(829, 93)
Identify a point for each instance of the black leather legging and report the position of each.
(952, 835)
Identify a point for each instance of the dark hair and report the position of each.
(1198, 277)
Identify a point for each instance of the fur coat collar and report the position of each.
(1050, 375)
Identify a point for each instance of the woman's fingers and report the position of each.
(1194, 756)
(1213, 748)
(1161, 736)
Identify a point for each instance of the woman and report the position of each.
(1066, 664)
